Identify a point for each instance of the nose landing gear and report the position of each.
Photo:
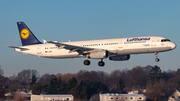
(157, 59)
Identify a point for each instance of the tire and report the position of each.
(87, 62)
(101, 63)
(157, 59)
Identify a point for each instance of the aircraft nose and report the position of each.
(173, 46)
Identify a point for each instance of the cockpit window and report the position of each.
(164, 40)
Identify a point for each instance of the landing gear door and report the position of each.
(153, 41)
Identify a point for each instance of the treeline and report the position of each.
(82, 90)
(85, 85)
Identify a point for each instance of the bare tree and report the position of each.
(160, 91)
(1, 72)
(137, 77)
(1, 76)
(113, 80)
(86, 75)
(45, 79)
(103, 76)
(25, 77)
(66, 77)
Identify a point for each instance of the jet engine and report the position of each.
(119, 57)
(98, 54)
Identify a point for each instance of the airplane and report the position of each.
(118, 49)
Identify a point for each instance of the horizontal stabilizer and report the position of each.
(18, 47)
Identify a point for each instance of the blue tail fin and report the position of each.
(27, 37)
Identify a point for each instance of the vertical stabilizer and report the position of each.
(27, 37)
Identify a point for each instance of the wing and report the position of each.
(73, 48)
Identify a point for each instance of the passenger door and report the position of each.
(39, 50)
(120, 45)
(153, 42)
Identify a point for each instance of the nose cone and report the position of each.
(173, 46)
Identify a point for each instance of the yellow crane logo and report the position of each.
(24, 33)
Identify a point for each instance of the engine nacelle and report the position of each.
(98, 55)
(119, 57)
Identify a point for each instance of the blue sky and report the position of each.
(63, 20)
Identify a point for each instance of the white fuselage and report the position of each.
(119, 46)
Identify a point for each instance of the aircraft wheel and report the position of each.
(87, 62)
(101, 63)
(157, 59)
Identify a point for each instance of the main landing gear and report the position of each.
(100, 63)
(157, 59)
(87, 62)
